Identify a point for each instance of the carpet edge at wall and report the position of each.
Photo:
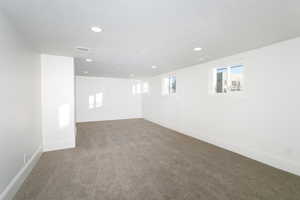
(15, 184)
(263, 157)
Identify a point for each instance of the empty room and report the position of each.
(149, 100)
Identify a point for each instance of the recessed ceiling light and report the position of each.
(197, 49)
(88, 60)
(96, 29)
(85, 72)
(154, 67)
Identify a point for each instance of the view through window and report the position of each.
(168, 85)
(229, 79)
(96, 100)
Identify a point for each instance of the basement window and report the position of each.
(145, 87)
(172, 87)
(136, 87)
(91, 101)
(96, 101)
(168, 86)
(229, 79)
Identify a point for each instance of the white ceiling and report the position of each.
(138, 33)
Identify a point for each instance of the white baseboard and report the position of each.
(263, 157)
(112, 119)
(15, 184)
(59, 145)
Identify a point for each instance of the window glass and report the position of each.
(221, 78)
(168, 85)
(165, 86)
(229, 79)
(236, 78)
(133, 89)
(99, 99)
(91, 101)
(145, 87)
(172, 84)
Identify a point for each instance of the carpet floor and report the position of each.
(139, 160)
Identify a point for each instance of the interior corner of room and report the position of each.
(100, 96)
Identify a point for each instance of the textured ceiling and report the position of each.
(138, 34)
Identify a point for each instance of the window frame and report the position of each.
(166, 85)
(145, 87)
(228, 92)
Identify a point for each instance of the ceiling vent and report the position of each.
(82, 49)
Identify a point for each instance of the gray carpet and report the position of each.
(139, 160)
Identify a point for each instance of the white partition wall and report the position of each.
(58, 124)
(100, 99)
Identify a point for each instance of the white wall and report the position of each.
(118, 101)
(20, 103)
(261, 123)
(58, 124)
